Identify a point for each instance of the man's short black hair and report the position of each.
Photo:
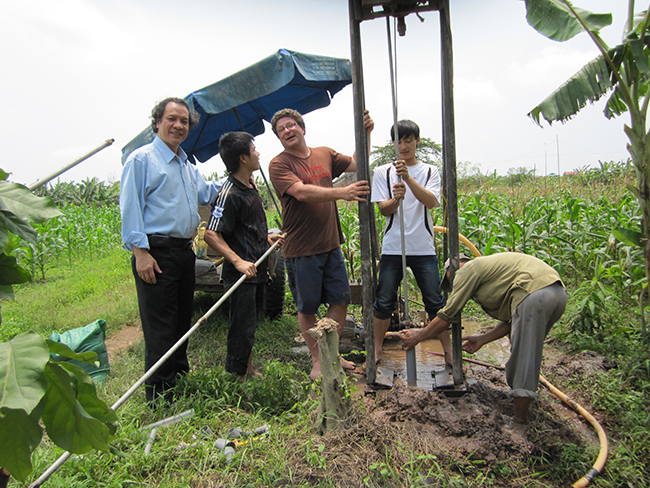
(232, 145)
(159, 110)
(405, 128)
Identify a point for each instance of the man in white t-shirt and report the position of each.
(420, 191)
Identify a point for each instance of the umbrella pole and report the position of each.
(275, 202)
(368, 243)
(449, 170)
(64, 457)
(411, 364)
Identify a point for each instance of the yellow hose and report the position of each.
(463, 239)
(602, 437)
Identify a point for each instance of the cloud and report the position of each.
(477, 91)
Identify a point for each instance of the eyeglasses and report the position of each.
(289, 126)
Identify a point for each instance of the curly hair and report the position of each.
(286, 112)
(159, 110)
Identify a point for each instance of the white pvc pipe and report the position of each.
(64, 457)
(48, 178)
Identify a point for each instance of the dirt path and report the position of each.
(122, 339)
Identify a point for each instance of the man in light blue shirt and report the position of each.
(159, 197)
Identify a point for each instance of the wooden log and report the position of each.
(335, 405)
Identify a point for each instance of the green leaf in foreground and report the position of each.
(64, 350)
(68, 423)
(21, 201)
(6, 292)
(87, 396)
(19, 435)
(10, 272)
(22, 382)
(9, 222)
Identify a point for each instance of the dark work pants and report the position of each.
(427, 275)
(245, 304)
(166, 314)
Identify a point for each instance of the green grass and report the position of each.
(99, 288)
(293, 455)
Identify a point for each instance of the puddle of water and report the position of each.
(394, 357)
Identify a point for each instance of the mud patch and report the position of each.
(583, 364)
(473, 426)
(434, 440)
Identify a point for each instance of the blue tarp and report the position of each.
(286, 79)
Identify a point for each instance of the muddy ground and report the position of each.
(441, 440)
(436, 440)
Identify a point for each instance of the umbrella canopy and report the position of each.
(286, 79)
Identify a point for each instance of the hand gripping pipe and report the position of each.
(64, 457)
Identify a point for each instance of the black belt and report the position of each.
(156, 240)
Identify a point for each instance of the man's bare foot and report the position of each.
(251, 373)
(345, 364)
(377, 361)
(315, 371)
(449, 359)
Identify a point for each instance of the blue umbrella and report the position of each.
(286, 79)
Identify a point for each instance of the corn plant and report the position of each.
(349, 219)
(80, 231)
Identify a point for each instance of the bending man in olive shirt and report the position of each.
(524, 294)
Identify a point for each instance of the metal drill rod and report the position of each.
(411, 364)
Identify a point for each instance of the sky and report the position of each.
(78, 72)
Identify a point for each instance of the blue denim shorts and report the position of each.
(427, 274)
(317, 279)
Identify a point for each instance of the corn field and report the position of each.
(82, 231)
(584, 226)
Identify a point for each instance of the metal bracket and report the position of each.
(373, 9)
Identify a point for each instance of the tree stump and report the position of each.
(335, 405)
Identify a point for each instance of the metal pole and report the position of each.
(449, 161)
(411, 364)
(39, 183)
(64, 457)
(272, 196)
(366, 211)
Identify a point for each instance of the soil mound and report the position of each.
(425, 433)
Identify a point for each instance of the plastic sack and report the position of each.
(88, 338)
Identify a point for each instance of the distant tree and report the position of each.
(467, 169)
(519, 175)
(428, 151)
